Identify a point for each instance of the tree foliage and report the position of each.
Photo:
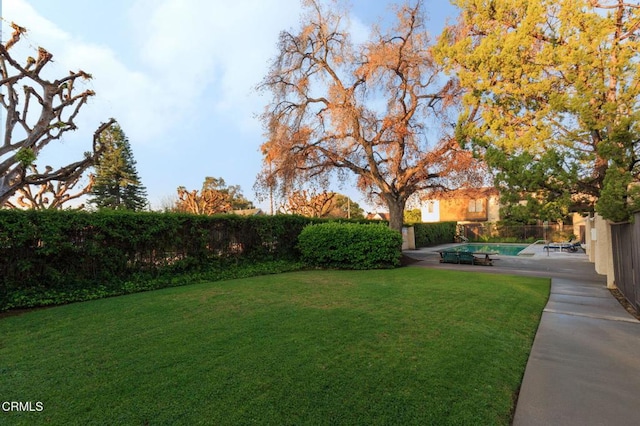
(38, 111)
(344, 207)
(413, 216)
(117, 184)
(214, 197)
(379, 110)
(551, 98)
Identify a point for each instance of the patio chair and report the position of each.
(570, 246)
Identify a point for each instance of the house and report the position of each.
(463, 206)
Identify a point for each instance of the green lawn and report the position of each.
(404, 346)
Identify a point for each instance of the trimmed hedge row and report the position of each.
(430, 234)
(54, 257)
(85, 255)
(350, 246)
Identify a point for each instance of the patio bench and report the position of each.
(460, 257)
(449, 257)
(466, 257)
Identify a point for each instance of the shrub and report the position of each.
(350, 246)
(430, 234)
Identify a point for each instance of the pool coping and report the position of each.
(532, 251)
(496, 253)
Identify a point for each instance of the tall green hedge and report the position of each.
(350, 246)
(45, 255)
(430, 234)
(53, 257)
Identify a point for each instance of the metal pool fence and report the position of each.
(487, 231)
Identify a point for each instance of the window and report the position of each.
(476, 206)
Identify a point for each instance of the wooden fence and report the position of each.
(625, 239)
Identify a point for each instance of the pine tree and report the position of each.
(117, 185)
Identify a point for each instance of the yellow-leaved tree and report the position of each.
(551, 100)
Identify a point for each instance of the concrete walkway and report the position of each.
(584, 366)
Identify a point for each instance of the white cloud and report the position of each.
(179, 78)
(23, 14)
(121, 92)
(191, 44)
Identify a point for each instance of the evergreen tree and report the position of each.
(117, 185)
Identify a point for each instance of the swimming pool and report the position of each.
(503, 249)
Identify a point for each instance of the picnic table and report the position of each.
(471, 258)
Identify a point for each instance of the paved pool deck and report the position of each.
(584, 366)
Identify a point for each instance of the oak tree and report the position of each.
(380, 110)
(552, 99)
(38, 111)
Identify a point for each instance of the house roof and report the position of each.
(378, 216)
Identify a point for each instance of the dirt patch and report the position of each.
(625, 303)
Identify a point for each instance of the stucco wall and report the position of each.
(599, 248)
(430, 211)
(493, 210)
(457, 209)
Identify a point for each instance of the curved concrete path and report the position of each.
(584, 366)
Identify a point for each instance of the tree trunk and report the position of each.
(396, 211)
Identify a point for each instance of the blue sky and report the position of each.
(178, 75)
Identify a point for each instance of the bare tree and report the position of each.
(380, 111)
(207, 201)
(214, 197)
(309, 203)
(51, 195)
(38, 111)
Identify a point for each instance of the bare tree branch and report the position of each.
(43, 113)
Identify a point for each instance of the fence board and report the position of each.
(625, 239)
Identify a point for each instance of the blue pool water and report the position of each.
(503, 249)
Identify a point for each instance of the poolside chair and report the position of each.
(570, 246)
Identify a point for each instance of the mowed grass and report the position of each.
(404, 346)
